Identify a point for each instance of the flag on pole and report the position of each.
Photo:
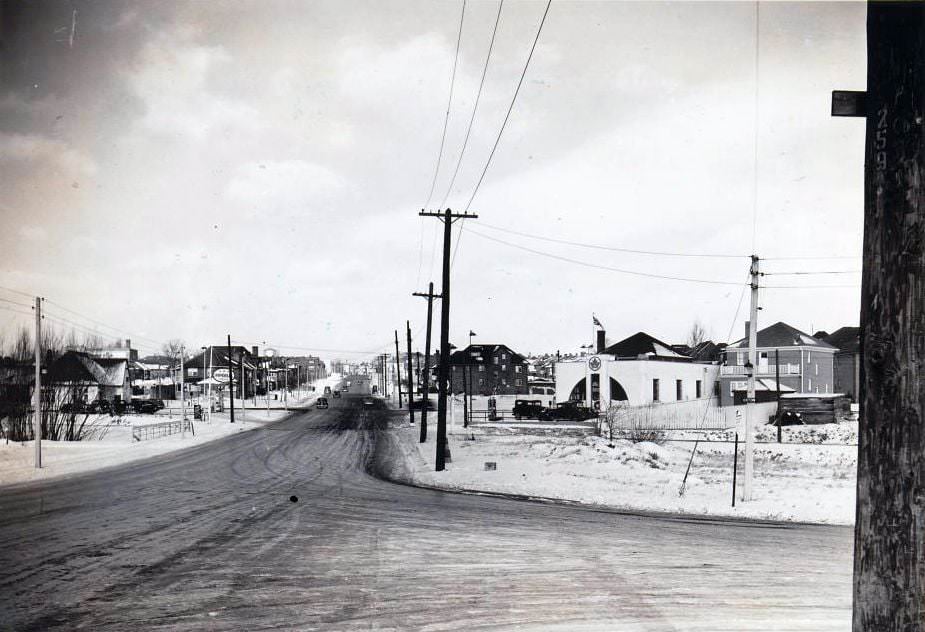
(596, 321)
(471, 333)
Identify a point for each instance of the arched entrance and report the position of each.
(578, 394)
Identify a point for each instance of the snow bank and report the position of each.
(802, 483)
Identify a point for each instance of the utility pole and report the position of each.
(182, 395)
(410, 376)
(430, 296)
(750, 372)
(889, 537)
(398, 369)
(37, 395)
(447, 217)
(465, 377)
(231, 378)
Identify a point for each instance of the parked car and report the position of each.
(120, 406)
(149, 406)
(529, 408)
(99, 406)
(567, 411)
(321, 402)
(74, 407)
(336, 394)
(418, 404)
(369, 402)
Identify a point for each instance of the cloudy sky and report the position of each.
(189, 169)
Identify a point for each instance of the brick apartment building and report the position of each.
(489, 369)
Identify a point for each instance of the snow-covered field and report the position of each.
(803, 483)
(62, 458)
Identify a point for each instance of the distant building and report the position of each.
(638, 370)
(105, 377)
(805, 365)
(847, 360)
(489, 369)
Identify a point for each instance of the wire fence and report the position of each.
(163, 429)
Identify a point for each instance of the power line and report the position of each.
(117, 330)
(510, 107)
(811, 272)
(475, 107)
(21, 293)
(661, 253)
(449, 106)
(856, 286)
(600, 267)
(6, 300)
(811, 257)
(507, 116)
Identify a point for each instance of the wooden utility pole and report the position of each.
(231, 378)
(398, 369)
(447, 217)
(410, 376)
(37, 394)
(750, 373)
(889, 543)
(430, 296)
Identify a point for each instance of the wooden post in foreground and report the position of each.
(889, 557)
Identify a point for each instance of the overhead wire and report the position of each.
(475, 107)
(601, 267)
(446, 122)
(567, 242)
(449, 106)
(507, 116)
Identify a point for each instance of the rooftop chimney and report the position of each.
(600, 341)
(254, 351)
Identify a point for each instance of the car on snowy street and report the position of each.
(567, 411)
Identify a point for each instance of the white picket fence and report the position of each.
(691, 415)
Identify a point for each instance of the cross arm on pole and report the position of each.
(426, 295)
(442, 215)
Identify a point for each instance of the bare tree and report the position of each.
(696, 334)
(173, 348)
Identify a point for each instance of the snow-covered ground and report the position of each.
(62, 458)
(793, 482)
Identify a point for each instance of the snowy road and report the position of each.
(207, 538)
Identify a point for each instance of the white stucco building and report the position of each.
(637, 370)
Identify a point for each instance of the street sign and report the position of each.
(849, 103)
(220, 375)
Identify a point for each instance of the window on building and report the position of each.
(810, 389)
(481, 368)
(495, 359)
(481, 382)
(698, 389)
(817, 368)
(504, 367)
(809, 357)
(679, 389)
(717, 388)
(518, 382)
(518, 369)
(192, 371)
(655, 396)
(740, 359)
(503, 356)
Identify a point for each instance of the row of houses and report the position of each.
(117, 374)
(642, 369)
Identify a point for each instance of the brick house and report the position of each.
(490, 370)
(806, 365)
(847, 360)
